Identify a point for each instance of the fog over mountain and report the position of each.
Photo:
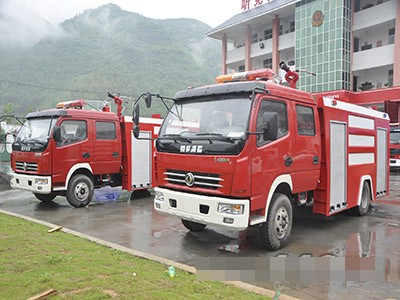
(100, 50)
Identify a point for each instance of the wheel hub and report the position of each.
(282, 222)
(81, 191)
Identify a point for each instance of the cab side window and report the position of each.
(305, 120)
(72, 131)
(272, 106)
(105, 131)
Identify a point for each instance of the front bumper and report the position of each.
(393, 162)
(187, 206)
(29, 183)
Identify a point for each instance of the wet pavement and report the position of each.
(134, 224)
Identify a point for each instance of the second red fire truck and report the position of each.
(70, 151)
(242, 152)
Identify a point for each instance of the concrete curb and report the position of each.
(242, 285)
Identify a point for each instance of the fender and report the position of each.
(285, 178)
(363, 179)
(71, 171)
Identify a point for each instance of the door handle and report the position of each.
(115, 154)
(288, 161)
(315, 160)
(86, 155)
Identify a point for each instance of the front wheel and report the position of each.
(80, 191)
(362, 209)
(45, 197)
(193, 226)
(276, 230)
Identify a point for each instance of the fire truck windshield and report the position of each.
(222, 117)
(36, 130)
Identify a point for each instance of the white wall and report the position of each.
(375, 15)
(375, 57)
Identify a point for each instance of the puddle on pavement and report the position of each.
(232, 248)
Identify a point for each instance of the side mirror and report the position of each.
(57, 134)
(270, 126)
(147, 99)
(136, 131)
(136, 114)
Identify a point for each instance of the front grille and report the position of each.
(26, 166)
(201, 180)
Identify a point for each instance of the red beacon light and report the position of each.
(72, 104)
(261, 74)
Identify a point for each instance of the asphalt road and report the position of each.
(133, 223)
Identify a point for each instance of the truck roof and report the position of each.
(246, 87)
(76, 113)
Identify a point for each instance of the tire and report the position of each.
(193, 226)
(363, 208)
(45, 197)
(276, 230)
(80, 191)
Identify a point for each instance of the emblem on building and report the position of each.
(317, 18)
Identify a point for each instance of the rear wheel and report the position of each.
(45, 197)
(276, 230)
(193, 226)
(363, 208)
(80, 191)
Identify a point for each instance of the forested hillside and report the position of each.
(108, 49)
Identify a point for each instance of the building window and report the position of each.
(254, 38)
(390, 77)
(268, 63)
(280, 29)
(241, 68)
(268, 34)
(391, 36)
(292, 26)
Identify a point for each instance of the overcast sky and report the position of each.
(211, 12)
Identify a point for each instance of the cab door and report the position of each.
(107, 147)
(271, 158)
(307, 154)
(74, 147)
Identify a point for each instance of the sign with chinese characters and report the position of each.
(248, 4)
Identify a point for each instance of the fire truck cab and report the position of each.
(242, 152)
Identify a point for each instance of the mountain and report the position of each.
(108, 49)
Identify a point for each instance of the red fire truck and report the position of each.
(70, 151)
(242, 152)
(394, 145)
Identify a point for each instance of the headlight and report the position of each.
(40, 181)
(233, 209)
(159, 197)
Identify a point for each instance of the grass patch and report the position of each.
(33, 261)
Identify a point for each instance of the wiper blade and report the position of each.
(209, 133)
(217, 135)
(176, 137)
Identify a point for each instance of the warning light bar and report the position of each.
(72, 104)
(261, 74)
